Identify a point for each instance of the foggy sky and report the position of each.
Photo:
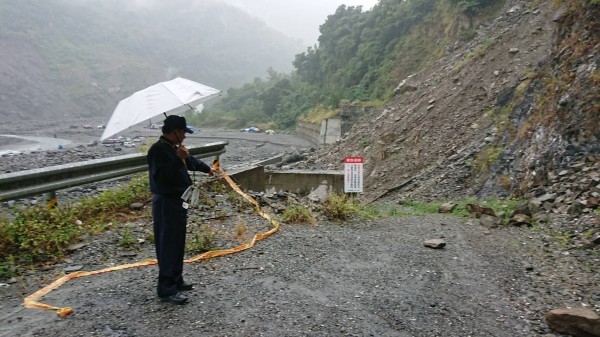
(299, 19)
(296, 18)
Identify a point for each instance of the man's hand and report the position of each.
(211, 172)
(182, 152)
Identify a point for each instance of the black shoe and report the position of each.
(185, 286)
(178, 298)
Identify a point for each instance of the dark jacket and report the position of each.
(168, 176)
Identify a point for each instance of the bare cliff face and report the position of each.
(502, 115)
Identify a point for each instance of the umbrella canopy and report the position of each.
(171, 97)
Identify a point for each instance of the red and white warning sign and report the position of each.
(353, 174)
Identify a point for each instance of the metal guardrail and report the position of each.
(28, 183)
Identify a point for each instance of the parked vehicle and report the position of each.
(193, 128)
(251, 129)
(113, 141)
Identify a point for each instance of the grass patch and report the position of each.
(241, 230)
(237, 200)
(503, 208)
(128, 239)
(370, 211)
(417, 208)
(35, 235)
(486, 157)
(341, 207)
(319, 113)
(475, 53)
(563, 238)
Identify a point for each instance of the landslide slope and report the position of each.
(501, 115)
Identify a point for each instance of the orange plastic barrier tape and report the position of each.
(31, 301)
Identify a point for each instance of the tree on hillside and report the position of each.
(357, 58)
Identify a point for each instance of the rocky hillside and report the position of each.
(513, 112)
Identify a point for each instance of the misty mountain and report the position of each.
(78, 58)
(296, 18)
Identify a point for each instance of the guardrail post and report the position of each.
(51, 199)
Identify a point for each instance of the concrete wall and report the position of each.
(328, 132)
(331, 130)
(249, 178)
(304, 182)
(309, 131)
(299, 182)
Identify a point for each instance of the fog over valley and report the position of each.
(77, 58)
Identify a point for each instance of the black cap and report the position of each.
(175, 122)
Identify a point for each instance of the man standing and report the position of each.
(169, 162)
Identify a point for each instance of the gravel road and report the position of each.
(362, 277)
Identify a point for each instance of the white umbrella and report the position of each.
(171, 97)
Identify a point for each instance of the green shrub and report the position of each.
(339, 206)
(8, 268)
(37, 234)
(297, 214)
(201, 241)
(128, 240)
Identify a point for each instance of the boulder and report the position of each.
(446, 207)
(136, 206)
(476, 211)
(523, 208)
(435, 243)
(406, 85)
(490, 221)
(519, 220)
(576, 321)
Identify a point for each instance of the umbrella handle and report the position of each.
(178, 145)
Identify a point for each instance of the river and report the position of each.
(32, 144)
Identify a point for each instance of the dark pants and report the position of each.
(170, 220)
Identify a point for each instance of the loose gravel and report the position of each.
(360, 277)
